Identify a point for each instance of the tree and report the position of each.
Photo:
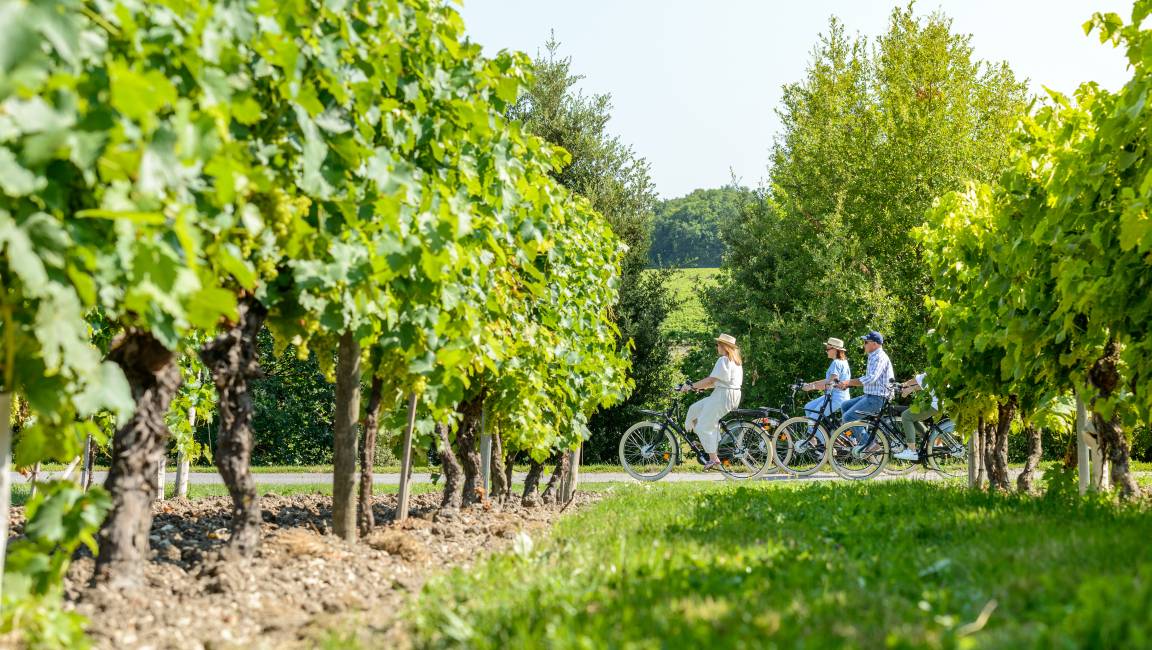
(615, 181)
(871, 135)
(687, 231)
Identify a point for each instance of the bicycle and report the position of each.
(799, 444)
(864, 458)
(650, 449)
(939, 448)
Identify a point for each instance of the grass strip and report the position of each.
(893, 564)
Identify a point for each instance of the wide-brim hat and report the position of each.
(726, 339)
(835, 343)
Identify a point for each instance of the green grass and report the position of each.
(892, 564)
(690, 317)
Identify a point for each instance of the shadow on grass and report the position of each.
(892, 564)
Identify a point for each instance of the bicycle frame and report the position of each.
(669, 418)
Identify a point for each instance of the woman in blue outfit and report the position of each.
(838, 371)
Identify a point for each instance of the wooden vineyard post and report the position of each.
(572, 481)
(972, 461)
(1083, 459)
(485, 453)
(86, 465)
(34, 478)
(406, 462)
(183, 465)
(160, 478)
(67, 473)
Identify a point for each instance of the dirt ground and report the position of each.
(303, 585)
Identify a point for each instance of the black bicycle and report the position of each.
(938, 447)
(800, 444)
(863, 448)
(651, 448)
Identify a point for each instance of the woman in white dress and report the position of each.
(725, 379)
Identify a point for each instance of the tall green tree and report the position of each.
(871, 135)
(615, 181)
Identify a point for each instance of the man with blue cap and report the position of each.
(876, 382)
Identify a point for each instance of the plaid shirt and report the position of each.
(878, 375)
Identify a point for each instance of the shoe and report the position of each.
(907, 454)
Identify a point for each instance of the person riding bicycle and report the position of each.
(726, 378)
(912, 419)
(876, 382)
(837, 370)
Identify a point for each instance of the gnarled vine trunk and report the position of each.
(1026, 479)
(996, 449)
(500, 487)
(137, 451)
(368, 455)
(344, 438)
(532, 483)
(1105, 378)
(978, 441)
(467, 443)
(450, 501)
(509, 467)
(233, 360)
(552, 490)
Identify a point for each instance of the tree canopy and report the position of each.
(872, 134)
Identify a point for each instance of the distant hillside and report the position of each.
(689, 319)
(686, 232)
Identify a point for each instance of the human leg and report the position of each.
(858, 408)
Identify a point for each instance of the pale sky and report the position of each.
(695, 85)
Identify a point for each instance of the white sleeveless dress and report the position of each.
(704, 416)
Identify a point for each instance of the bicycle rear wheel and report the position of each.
(895, 465)
(648, 451)
(744, 450)
(798, 446)
(946, 454)
(851, 460)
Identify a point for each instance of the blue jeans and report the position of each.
(813, 409)
(858, 407)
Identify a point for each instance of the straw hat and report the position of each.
(727, 339)
(834, 343)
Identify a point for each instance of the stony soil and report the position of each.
(303, 585)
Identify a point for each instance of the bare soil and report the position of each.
(304, 584)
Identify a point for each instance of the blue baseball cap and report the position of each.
(874, 336)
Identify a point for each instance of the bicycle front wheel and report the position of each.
(744, 450)
(799, 446)
(946, 454)
(853, 460)
(648, 451)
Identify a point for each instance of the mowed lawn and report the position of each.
(892, 564)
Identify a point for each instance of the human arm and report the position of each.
(703, 384)
(909, 387)
(719, 371)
